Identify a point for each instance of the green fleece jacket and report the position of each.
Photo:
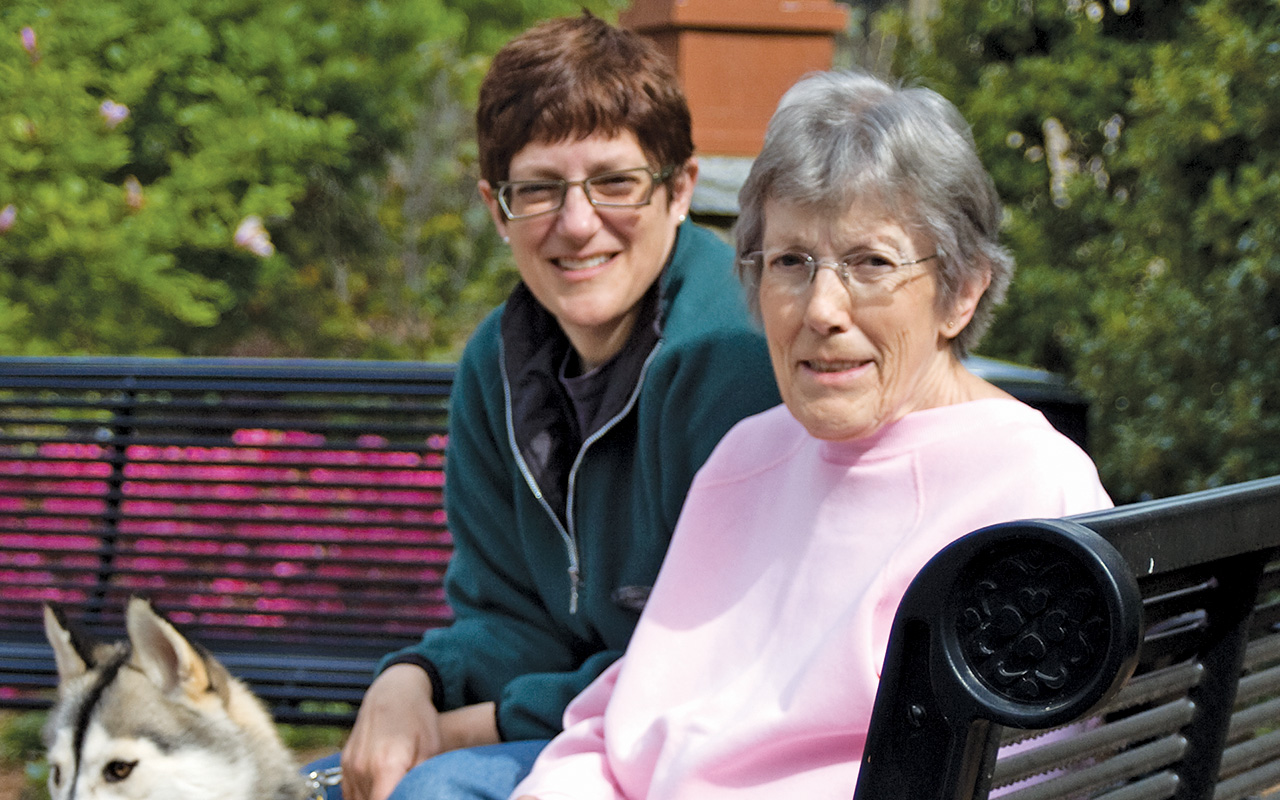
(546, 594)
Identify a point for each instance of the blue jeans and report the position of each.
(475, 773)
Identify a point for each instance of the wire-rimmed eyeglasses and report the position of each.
(794, 271)
(624, 188)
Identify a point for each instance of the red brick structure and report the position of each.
(735, 58)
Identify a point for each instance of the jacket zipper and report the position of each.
(569, 534)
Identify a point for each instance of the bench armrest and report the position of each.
(1027, 625)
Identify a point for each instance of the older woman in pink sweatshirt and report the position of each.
(868, 238)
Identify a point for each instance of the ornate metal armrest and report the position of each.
(1029, 625)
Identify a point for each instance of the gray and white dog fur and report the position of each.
(158, 718)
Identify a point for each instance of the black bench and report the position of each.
(1151, 631)
(285, 513)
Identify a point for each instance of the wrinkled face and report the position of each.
(851, 359)
(590, 266)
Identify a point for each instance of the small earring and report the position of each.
(506, 240)
(682, 217)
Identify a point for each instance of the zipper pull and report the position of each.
(574, 580)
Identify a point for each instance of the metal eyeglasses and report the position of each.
(794, 271)
(624, 188)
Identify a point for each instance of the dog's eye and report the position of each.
(118, 770)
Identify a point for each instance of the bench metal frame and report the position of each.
(1165, 668)
(287, 514)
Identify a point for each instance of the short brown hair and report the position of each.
(574, 77)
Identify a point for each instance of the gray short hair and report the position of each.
(838, 137)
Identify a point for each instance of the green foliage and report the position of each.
(138, 136)
(493, 22)
(20, 736)
(22, 752)
(307, 738)
(123, 236)
(1136, 150)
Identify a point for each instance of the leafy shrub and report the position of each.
(201, 177)
(1136, 148)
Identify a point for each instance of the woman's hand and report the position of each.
(396, 729)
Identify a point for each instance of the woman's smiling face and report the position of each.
(851, 360)
(589, 267)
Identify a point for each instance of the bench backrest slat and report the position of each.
(270, 505)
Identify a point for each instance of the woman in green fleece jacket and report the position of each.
(581, 409)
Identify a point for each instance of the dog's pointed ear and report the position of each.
(70, 652)
(164, 655)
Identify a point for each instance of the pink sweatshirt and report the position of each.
(754, 667)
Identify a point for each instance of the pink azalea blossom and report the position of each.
(133, 193)
(252, 236)
(7, 217)
(29, 40)
(275, 514)
(113, 113)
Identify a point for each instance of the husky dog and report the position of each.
(157, 718)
